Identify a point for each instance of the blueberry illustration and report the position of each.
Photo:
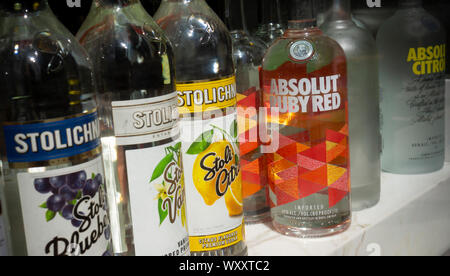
(91, 188)
(99, 179)
(107, 233)
(42, 185)
(107, 254)
(76, 223)
(77, 180)
(57, 181)
(55, 203)
(68, 194)
(67, 212)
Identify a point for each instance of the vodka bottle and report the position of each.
(3, 241)
(305, 78)
(52, 169)
(206, 86)
(412, 68)
(248, 54)
(135, 75)
(363, 95)
(271, 27)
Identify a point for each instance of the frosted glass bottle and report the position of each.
(412, 79)
(363, 96)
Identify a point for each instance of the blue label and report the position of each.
(47, 141)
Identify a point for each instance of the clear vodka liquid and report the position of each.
(53, 185)
(135, 75)
(271, 27)
(363, 95)
(305, 77)
(412, 68)
(206, 85)
(248, 54)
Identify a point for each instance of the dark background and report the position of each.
(73, 17)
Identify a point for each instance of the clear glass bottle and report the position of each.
(363, 94)
(412, 68)
(135, 74)
(271, 26)
(248, 54)
(3, 240)
(305, 76)
(52, 169)
(206, 86)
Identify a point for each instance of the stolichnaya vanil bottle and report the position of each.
(412, 68)
(305, 78)
(52, 169)
(248, 54)
(135, 75)
(363, 97)
(206, 87)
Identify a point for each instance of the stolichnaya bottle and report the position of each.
(363, 95)
(3, 243)
(412, 68)
(135, 74)
(271, 26)
(206, 88)
(248, 54)
(305, 77)
(51, 164)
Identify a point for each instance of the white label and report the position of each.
(64, 211)
(3, 248)
(211, 175)
(157, 199)
(146, 120)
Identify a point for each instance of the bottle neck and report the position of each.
(114, 3)
(271, 12)
(410, 3)
(23, 6)
(340, 10)
(302, 10)
(234, 15)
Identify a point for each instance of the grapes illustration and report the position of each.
(55, 203)
(42, 185)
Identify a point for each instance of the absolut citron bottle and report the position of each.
(206, 86)
(305, 80)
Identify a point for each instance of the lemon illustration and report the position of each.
(233, 198)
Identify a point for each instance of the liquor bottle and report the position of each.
(370, 17)
(248, 54)
(305, 80)
(51, 165)
(271, 27)
(412, 68)
(206, 86)
(135, 74)
(363, 95)
(3, 244)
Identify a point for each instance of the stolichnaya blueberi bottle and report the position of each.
(135, 76)
(52, 169)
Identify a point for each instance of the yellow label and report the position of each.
(427, 60)
(218, 241)
(206, 96)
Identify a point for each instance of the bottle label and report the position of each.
(155, 174)
(51, 141)
(214, 187)
(64, 211)
(206, 96)
(157, 198)
(3, 248)
(146, 120)
(313, 154)
(427, 60)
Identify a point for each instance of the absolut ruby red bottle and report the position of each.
(304, 77)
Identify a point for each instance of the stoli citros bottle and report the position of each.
(206, 87)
